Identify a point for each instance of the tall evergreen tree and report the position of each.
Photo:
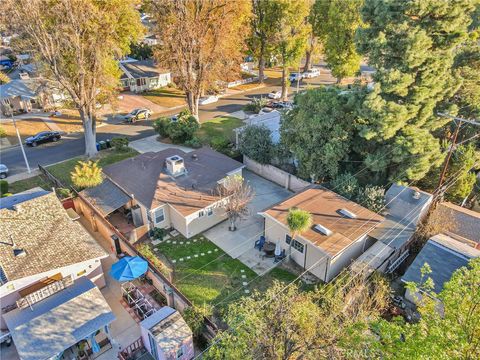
(412, 45)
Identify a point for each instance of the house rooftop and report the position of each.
(146, 177)
(326, 209)
(37, 235)
(444, 255)
(143, 69)
(168, 327)
(465, 222)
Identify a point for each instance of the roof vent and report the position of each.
(19, 253)
(348, 213)
(322, 230)
(194, 156)
(416, 194)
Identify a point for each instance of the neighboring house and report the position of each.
(405, 208)
(465, 222)
(50, 270)
(150, 40)
(25, 95)
(166, 189)
(166, 335)
(270, 120)
(139, 76)
(338, 234)
(444, 254)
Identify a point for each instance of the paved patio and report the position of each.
(239, 244)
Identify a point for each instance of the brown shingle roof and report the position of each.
(324, 205)
(50, 239)
(466, 222)
(146, 178)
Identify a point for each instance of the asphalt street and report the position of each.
(72, 145)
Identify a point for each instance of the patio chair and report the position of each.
(280, 257)
(259, 243)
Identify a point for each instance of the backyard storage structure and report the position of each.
(166, 335)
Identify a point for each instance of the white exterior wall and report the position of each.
(187, 347)
(345, 258)
(166, 223)
(196, 224)
(178, 221)
(9, 292)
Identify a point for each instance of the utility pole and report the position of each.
(458, 122)
(20, 140)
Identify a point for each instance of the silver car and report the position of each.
(3, 171)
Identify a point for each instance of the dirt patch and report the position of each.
(26, 127)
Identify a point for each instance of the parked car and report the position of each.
(313, 72)
(138, 114)
(276, 94)
(174, 118)
(280, 105)
(3, 171)
(210, 99)
(43, 137)
(293, 77)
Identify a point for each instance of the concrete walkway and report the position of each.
(151, 144)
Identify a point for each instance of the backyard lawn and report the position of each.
(219, 127)
(167, 96)
(62, 170)
(206, 274)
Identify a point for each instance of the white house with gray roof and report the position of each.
(144, 75)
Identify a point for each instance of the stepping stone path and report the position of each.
(209, 251)
(244, 276)
(196, 255)
(174, 242)
(244, 283)
(215, 250)
(174, 233)
(169, 241)
(181, 242)
(188, 242)
(202, 254)
(194, 240)
(242, 270)
(156, 242)
(202, 238)
(247, 291)
(174, 261)
(188, 257)
(181, 259)
(166, 237)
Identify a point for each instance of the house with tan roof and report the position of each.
(166, 189)
(50, 272)
(337, 236)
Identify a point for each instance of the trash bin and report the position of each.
(109, 145)
(98, 146)
(103, 145)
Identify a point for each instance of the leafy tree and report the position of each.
(256, 142)
(4, 79)
(257, 104)
(313, 44)
(201, 41)
(412, 45)
(336, 22)
(450, 334)
(318, 132)
(183, 129)
(264, 27)
(86, 174)
(236, 195)
(290, 42)
(194, 316)
(141, 51)
(371, 197)
(78, 43)
(298, 221)
(160, 126)
(346, 185)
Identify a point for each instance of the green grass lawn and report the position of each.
(213, 278)
(220, 127)
(62, 170)
(167, 96)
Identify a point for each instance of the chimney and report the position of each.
(175, 165)
(195, 157)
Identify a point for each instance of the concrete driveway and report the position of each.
(151, 143)
(239, 244)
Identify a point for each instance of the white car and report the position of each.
(293, 77)
(276, 94)
(313, 72)
(208, 100)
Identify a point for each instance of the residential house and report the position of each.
(166, 189)
(140, 76)
(50, 272)
(463, 224)
(405, 208)
(166, 335)
(338, 235)
(444, 254)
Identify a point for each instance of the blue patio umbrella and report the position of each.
(128, 268)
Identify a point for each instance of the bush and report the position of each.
(194, 143)
(183, 129)
(3, 133)
(87, 174)
(3, 187)
(119, 143)
(256, 105)
(64, 193)
(219, 143)
(160, 126)
(146, 251)
(159, 233)
(256, 142)
(194, 317)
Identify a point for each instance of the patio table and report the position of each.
(269, 249)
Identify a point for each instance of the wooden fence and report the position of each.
(57, 183)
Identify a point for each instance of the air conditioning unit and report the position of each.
(348, 213)
(322, 230)
(175, 165)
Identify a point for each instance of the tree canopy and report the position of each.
(256, 143)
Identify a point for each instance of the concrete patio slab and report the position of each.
(150, 143)
(239, 244)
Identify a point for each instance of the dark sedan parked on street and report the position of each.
(43, 137)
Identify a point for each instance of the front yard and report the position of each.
(207, 275)
(218, 128)
(167, 97)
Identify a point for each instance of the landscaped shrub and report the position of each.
(219, 144)
(119, 143)
(160, 126)
(146, 251)
(256, 105)
(194, 143)
(159, 233)
(64, 193)
(86, 174)
(3, 187)
(194, 317)
(256, 143)
(183, 129)
(3, 132)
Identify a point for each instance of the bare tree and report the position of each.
(78, 43)
(202, 41)
(236, 195)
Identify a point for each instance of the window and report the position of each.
(295, 244)
(210, 211)
(180, 352)
(159, 215)
(201, 213)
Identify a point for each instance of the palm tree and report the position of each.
(298, 222)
